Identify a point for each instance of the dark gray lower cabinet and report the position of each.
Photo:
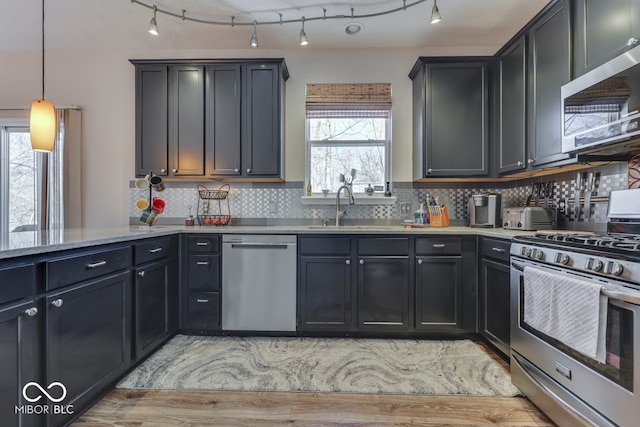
(438, 292)
(383, 293)
(493, 296)
(20, 337)
(152, 290)
(88, 338)
(325, 293)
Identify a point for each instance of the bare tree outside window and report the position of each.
(22, 181)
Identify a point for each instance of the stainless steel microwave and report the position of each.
(601, 109)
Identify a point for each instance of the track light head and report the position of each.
(303, 36)
(153, 25)
(435, 13)
(254, 36)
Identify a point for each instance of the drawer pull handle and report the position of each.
(202, 300)
(57, 303)
(499, 250)
(439, 245)
(155, 251)
(97, 264)
(202, 243)
(202, 263)
(31, 311)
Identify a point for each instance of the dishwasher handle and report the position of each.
(260, 245)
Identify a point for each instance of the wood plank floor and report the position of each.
(197, 408)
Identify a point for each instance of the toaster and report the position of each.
(529, 218)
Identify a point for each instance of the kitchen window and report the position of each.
(348, 126)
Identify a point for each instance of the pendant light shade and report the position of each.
(42, 125)
(42, 121)
(254, 37)
(435, 13)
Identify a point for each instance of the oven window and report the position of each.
(619, 342)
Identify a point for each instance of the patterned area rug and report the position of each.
(342, 365)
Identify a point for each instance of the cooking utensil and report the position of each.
(546, 192)
(576, 197)
(530, 196)
(588, 191)
(537, 187)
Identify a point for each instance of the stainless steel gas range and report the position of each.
(575, 316)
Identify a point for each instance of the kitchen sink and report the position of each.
(354, 227)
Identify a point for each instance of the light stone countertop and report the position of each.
(40, 242)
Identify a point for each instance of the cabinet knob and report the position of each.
(348, 262)
(632, 41)
(174, 170)
(248, 170)
(520, 163)
(236, 170)
(530, 161)
(141, 273)
(163, 171)
(57, 303)
(429, 171)
(361, 262)
(31, 311)
(419, 262)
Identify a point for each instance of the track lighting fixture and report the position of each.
(153, 25)
(353, 28)
(303, 37)
(435, 13)
(42, 120)
(254, 36)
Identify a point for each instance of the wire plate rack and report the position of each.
(213, 206)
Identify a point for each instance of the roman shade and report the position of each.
(348, 96)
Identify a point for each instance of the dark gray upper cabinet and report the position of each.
(510, 107)
(223, 120)
(218, 118)
(549, 68)
(450, 116)
(152, 96)
(186, 120)
(602, 30)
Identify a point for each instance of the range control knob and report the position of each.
(526, 252)
(538, 254)
(562, 258)
(594, 264)
(614, 268)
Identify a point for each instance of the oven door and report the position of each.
(570, 387)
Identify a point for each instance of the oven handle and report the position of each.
(519, 267)
(621, 296)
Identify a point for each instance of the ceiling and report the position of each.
(122, 25)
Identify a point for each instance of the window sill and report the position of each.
(361, 199)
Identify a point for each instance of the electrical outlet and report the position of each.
(405, 208)
(273, 207)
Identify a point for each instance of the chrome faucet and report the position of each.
(339, 213)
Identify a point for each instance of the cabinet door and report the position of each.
(152, 320)
(325, 289)
(549, 66)
(457, 117)
(438, 299)
(20, 335)
(511, 117)
(186, 120)
(152, 143)
(383, 293)
(223, 120)
(88, 338)
(261, 121)
(602, 29)
(494, 304)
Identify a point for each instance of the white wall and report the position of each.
(102, 84)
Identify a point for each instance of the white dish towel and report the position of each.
(571, 310)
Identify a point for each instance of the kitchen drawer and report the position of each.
(204, 310)
(17, 281)
(85, 265)
(496, 248)
(324, 245)
(438, 246)
(204, 272)
(151, 250)
(203, 243)
(383, 246)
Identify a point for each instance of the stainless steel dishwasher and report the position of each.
(258, 282)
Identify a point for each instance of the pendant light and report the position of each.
(153, 25)
(303, 36)
(254, 36)
(42, 122)
(435, 13)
